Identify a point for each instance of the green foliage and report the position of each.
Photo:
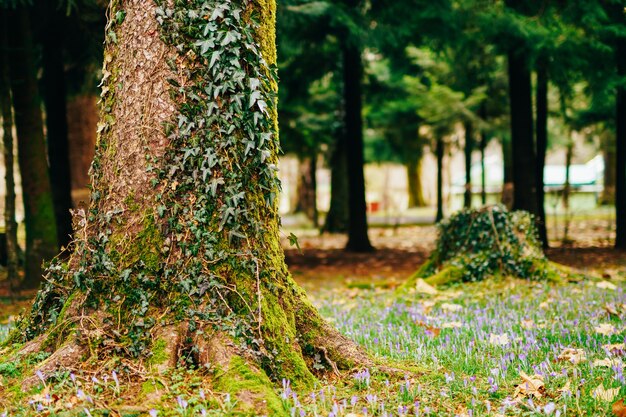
(486, 242)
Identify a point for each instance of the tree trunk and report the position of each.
(523, 146)
(358, 240)
(507, 167)
(468, 148)
(620, 142)
(337, 218)
(542, 145)
(569, 153)
(439, 153)
(54, 97)
(180, 251)
(41, 233)
(414, 181)
(10, 224)
(307, 189)
(610, 158)
(483, 176)
(82, 119)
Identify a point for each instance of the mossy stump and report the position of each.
(477, 244)
(177, 261)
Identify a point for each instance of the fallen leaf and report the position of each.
(605, 329)
(451, 307)
(611, 309)
(565, 390)
(615, 349)
(527, 324)
(605, 285)
(531, 385)
(619, 408)
(601, 393)
(499, 339)
(572, 355)
(423, 287)
(430, 330)
(606, 362)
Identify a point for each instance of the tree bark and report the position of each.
(468, 148)
(10, 224)
(542, 145)
(358, 240)
(610, 156)
(307, 189)
(338, 213)
(483, 175)
(414, 181)
(41, 233)
(620, 143)
(54, 97)
(82, 119)
(180, 248)
(523, 146)
(439, 150)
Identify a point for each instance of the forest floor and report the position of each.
(494, 348)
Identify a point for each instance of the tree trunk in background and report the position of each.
(439, 153)
(41, 233)
(10, 224)
(307, 189)
(414, 181)
(522, 143)
(468, 148)
(174, 258)
(507, 159)
(54, 96)
(620, 144)
(338, 213)
(610, 157)
(542, 146)
(483, 174)
(82, 119)
(358, 240)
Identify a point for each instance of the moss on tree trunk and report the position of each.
(178, 258)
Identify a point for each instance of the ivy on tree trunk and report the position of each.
(179, 251)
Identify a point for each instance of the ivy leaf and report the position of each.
(214, 57)
(229, 38)
(205, 45)
(293, 241)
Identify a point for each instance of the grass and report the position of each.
(476, 340)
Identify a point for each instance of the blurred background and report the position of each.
(393, 114)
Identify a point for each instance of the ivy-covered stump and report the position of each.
(477, 244)
(177, 261)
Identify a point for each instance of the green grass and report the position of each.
(474, 341)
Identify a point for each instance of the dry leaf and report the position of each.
(619, 408)
(606, 285)
(423, 287)
(572, 355)
(615, 349)
(452, 325)
(499, 339)
(565, 390)
(605, 329)
(606, 362)
(531, 385)
(600, 393)
(527, 324)
(430, 330)
(451, 307)
(611, 309)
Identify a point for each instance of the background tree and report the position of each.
(41, 233)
